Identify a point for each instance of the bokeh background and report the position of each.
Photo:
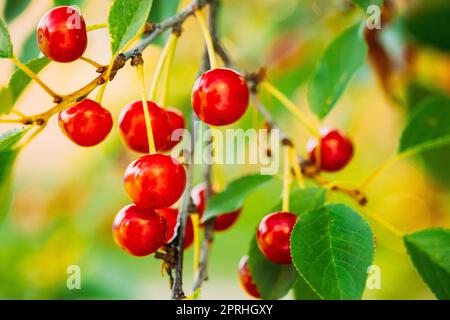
(65, 197)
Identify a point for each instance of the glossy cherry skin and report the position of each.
(273, 236)
(86, 123)
(246, 279)
(171, 216)
(155, 181)
(177, 122)
(139, 231)
(336, 150)
(133, 130)
(220, 97)
(223, 221)
(62, 35)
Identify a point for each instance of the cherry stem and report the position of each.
(33, 76)
(195, 223)
(92, 62)
(33, 136)
(387, 225)
(148, 121)
(96, 27)
(385, 166)
(208, 39)
(293, 109)
(170, 46)
(286, 178)
(296, 167)
(101, 92)
(168, 69)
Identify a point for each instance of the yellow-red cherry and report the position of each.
(220, 97)
(133, 129)
(246, 279)
(62, 35)
(86, 123)
(139, 231)
(155, 181)
(223, 221)
(273, 236)
(336, 150)
(171, 216)
(177, 124)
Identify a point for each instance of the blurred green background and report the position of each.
(66, 197)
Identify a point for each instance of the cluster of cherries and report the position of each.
(156, 182)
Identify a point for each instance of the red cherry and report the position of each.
(133, 130)
(171, 216)
(62, 35)
(336, 150)
(86, 123)
(176, 120)
(155, 181)
(223, 221)
(139, 231)
(246, 279)
(273, 236)
(220, 97)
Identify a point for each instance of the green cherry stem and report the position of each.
(173, 41)
(96, 27)
(286, 178)
(208, 39)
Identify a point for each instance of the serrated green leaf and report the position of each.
(126, 19)
(428, 126)
(332, 247)
(427, 23)
(302, 290)
(8, 154)
(272, 280)
(30, 49)
(232, 198)
(9, 139)
(161, 10)
(364, 4)
(68, 3)
(336, 68)
(13, 8)
(430, 253)
(302, 201)
(20, 80)
(6, 47)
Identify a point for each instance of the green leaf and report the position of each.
(337, 66)
(428, 126)
(161, 10)
(13, 8)
(9, 139)
(332, 247)
(304, 200)
(6, 47)
(302, 291)
(428, 23)
(126, 18)
(272, 280)
(78, 3)
(20, 80)
(30, 49)
(232, 198)
(8, 154)
(430, 252)
(364, 4)
(6, 102)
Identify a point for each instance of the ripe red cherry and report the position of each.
(133, 130)
(223, 221)
(139, 231)
(171, 216)
(155, 181)
(176, 121)
(62, 35)
(273, 236)
(86, 123)
(220, 97)
(336, 150)
(246, 279)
